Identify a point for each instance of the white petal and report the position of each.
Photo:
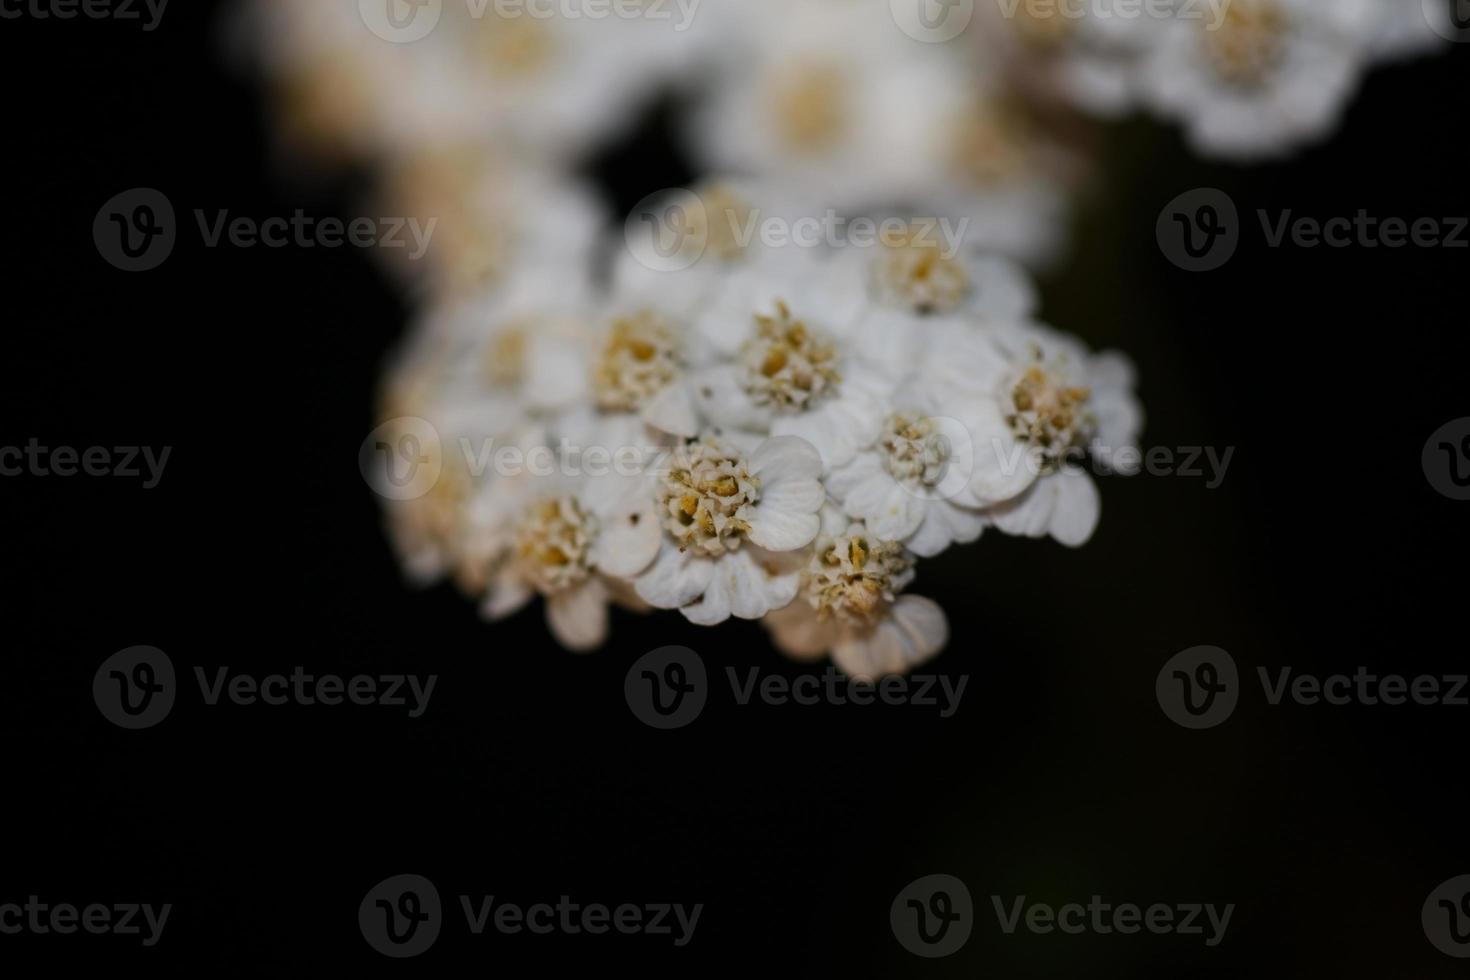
(675, 579)
(578, 616)
(786, 457)
(627, 542)
(944, 524)
(1028, 515)
(508, 595)
(672, 410)
(1078, 507)
(798, 633)
(743, 586)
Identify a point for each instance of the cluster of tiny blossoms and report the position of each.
(1246, 79)
(796, 426)
(784, 435)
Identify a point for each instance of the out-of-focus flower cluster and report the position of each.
(771, 395)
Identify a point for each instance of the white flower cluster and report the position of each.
(736, 426)
(782, 435)
(1245, 78)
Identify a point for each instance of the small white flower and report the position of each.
(1049, 401)
(575, 546)
(830, 97)
(917, 274)
(551, 86)
(791, 348)
(488, 222)
(850, 605)
(1088, 54)
(727, 517)
(1270, 76)
(912, 485)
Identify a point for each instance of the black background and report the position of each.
(528, 778)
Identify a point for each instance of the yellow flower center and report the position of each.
(639, 360)
(810, 107)
(707, 497)
(552, 544)
(1249, 42)
(788, 365)
(856, 577)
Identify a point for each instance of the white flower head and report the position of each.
(728, 515)
(1048, 403)
(850, 605)
(829, 96)
(1269, 76)
(575, 543)
(1089, 54)
(790, 351)
(486, 222)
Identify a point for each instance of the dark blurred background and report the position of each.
(528, 778)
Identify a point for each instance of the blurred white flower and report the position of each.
(1271, 76)
(576, 543)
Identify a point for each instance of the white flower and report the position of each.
(850, 606)
(489, 222)
(727, 517)
(525, 343)
(576, 545)
(1273, 74)
(1406, 28)
(791, 346)
(1047, 402)
(1087, 53)
(545, 85)
(829, 96)
(917, 274)
(998, 166)
(912, 485)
